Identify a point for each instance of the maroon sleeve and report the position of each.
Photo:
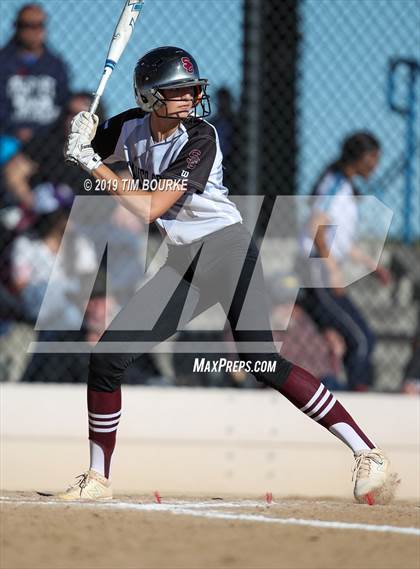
(194, 162)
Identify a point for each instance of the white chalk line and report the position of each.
(153, 505)
(185, 508)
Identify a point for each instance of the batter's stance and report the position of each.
(166, 140)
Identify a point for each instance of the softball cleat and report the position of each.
(374, 483)
(90, 486)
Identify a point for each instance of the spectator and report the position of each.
(320, 351)
(15, 325)
(41, 160)
(226, 124)
(33, 257)
(125, 232)
(13, 335)
(331, 307)
(33, 81)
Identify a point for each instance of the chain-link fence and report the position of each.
(315, 97)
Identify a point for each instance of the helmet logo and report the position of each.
(187, 65)
(193, 159)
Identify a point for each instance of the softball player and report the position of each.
(166, 140)
(331, 307)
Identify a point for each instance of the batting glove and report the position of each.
(84, 124)
(82, 131)
(79, 150)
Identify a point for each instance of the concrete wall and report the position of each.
(197, 441)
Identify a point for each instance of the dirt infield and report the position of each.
(139, 533)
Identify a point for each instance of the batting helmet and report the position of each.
(168, 67)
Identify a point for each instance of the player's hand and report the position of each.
(77, 149)
(78, 146)
(383, 274)
(336, 343)
(336, 281)
(85, 125)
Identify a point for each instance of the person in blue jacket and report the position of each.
(33, 80)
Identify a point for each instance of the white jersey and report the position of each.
(192, 153)
(335, 197)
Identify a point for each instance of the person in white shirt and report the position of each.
(35, 256)
(330, 306)
(212, 258)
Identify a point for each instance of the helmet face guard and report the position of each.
(154, 101)
(169, 68)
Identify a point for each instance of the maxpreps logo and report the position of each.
(193, 159)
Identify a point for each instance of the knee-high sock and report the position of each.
(308, 394)
(104, 410)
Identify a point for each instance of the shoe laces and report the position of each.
(82, 482)
(361, 468)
